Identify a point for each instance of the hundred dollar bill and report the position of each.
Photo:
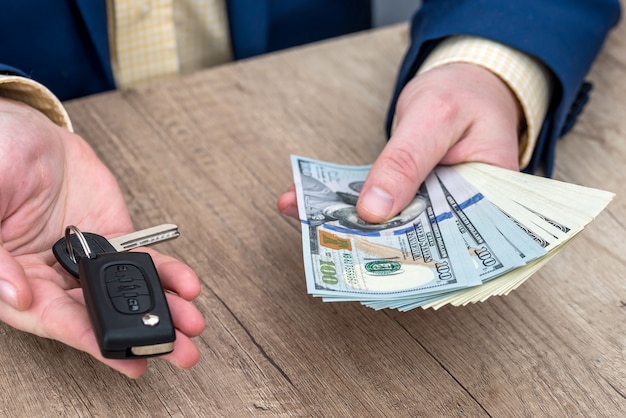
(419, 252)
(497, 243)
(550, 211)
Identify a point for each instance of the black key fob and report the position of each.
(126, 305)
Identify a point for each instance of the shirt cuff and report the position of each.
(529, 79)
(32, 93)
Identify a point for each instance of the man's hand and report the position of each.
(51, 178)
(448, 115)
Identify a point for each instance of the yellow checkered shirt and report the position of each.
(150, 39)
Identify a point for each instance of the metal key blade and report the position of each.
(100, 245)
(145, 237)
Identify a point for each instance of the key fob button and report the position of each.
(120, 288)
(122, 272)
(132, 304)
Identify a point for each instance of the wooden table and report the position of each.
(210, 152)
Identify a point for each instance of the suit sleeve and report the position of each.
(565, 36)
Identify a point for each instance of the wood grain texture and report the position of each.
(210, 152)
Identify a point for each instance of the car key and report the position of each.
(99, 245)
(125, 301)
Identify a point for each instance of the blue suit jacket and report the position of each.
(64, 44)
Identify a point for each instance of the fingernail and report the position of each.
(377, 201)
(8, 294)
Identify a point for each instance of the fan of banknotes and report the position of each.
(472, 231)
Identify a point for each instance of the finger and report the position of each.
(14, 288)
(185, 353)
(186, 317)
(51, 310)
(81, 336)
(175, 275)
(53, 315)
(188, 322)
(287, 204)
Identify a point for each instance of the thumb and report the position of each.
(14, 288)
(401, 167)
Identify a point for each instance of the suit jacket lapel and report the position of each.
(94, 15)
(249, 26)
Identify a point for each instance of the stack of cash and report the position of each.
(471, 232)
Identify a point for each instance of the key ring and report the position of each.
(81, 239)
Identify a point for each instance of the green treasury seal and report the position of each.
(383, 267)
